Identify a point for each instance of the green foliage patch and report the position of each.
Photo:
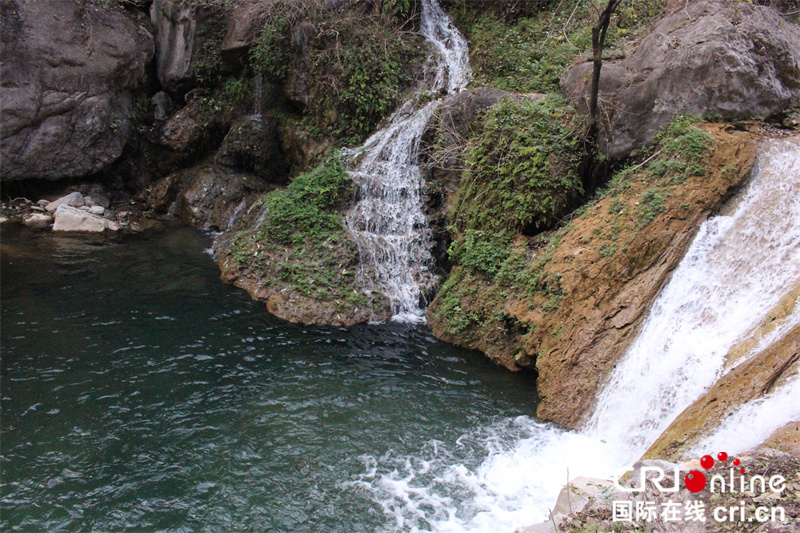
(525, 46)
(305, 211)
(272, 54)
(522, 171)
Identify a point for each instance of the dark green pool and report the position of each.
(138, 392)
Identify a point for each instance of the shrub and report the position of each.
(305, 211)
(272, 54)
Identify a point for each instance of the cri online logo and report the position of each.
(695, 480)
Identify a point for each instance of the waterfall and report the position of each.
(388, 223)
(258, 95)
(737, 269)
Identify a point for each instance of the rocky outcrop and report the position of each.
(175, 26)
(213, 198)
(732, 60)
(253, 145)
(68, 69)
(586, 293)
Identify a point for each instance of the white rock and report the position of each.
(71, 219)
(3, 220)
(87, 201)
(38, 220)
(97, 210)
(42, 203)
(74, 199)
(574, 497)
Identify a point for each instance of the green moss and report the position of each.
(521, 171)
(480, 250)
(650, 205)
(305, 210)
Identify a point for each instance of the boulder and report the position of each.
(183, 132)
(213, 198)
(733, 60)
(72, 219)
(69, 69)
(73, 199)
(38, 220)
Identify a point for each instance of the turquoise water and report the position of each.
(138, 392)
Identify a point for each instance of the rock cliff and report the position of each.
(69, 71)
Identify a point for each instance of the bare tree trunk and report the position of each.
(590, 169)
(598, 42)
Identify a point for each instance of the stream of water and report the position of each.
(388, 223)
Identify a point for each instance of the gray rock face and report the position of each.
(214, 198)
(68, 69)
(71, 219)
(176, 26)
(736, 60)
(252, 145)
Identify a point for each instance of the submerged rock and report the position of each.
(732, 60)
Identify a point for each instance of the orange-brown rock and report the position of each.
(785, 439)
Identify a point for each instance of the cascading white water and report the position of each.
(388, 223)
(736, 270)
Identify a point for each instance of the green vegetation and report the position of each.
(359, 82)
(521, 175)
(306, 209)
(272, 54)
(503, 236)
(302, 242)
(651, 204)
(480, 250)
(355, 68)
(526, 46)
